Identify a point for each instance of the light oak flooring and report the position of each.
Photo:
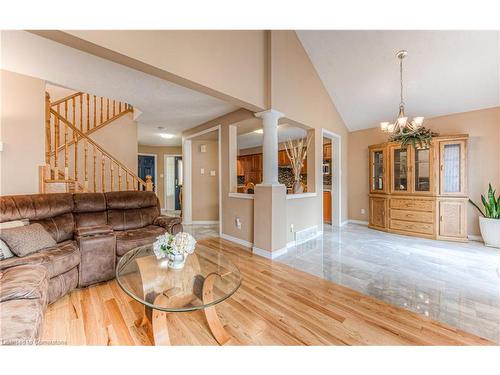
(276, 305)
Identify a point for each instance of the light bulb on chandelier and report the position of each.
(401, 122)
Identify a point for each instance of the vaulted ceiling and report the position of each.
(445, 72)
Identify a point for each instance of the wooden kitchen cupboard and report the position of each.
(420, 191)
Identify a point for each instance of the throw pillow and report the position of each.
(26, 240)
(4, 249)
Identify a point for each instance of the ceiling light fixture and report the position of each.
(401, 122)
(166, 135)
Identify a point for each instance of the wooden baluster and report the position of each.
(111, 169)
(103, 173)
(88, 112)
(75, 141)
(120, 107)
(107, 109)
(66, 109)
(48, 141)
(85, 165)
(94, 172)
(56, 146)
(81, 112)
(66, 153)
(95, 113)
(101, 112)
(114, 110)
(119, 178)
(127, 181)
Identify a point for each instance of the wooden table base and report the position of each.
(159, 318)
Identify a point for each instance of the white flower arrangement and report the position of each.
(168, 245)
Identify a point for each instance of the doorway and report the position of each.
(174, 180)
(146, 165)
(331, 175)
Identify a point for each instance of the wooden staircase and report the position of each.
(74, 162)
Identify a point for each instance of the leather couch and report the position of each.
(92, 231)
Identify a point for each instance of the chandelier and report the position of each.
(402, 124)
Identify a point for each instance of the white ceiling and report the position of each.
(445, 72)
(162, 103)
(285, 132)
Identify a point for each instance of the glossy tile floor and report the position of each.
(202, 231)
(455, 283)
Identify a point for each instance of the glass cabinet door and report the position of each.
(377, 171)
(422, 163)
(400, 176)
(452, 168)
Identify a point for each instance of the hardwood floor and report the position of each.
(275, 305)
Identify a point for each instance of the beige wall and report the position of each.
(205, 188)
(230, 65)
(297, 91)
(483, 127)
(232, 208)
(22, 133)
(160, 153)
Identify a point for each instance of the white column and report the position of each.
(270, 145)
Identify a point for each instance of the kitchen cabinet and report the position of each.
(327, 207)
(424, 188)
(327, 151)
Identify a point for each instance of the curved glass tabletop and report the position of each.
(207, 278)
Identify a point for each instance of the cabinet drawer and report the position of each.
(420, 216)
(412, 226)
(412, 204)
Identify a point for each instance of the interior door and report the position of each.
(178, 180)
(146, 166)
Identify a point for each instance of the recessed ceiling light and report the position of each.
(166, 135)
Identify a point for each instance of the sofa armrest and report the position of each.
(93, 231)
(171, 224)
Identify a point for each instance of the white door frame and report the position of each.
(187, 199)
(336, 176)
(156, 169)
(165, 156)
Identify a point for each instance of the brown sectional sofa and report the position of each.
(92, 231)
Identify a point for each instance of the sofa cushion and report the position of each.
(34, 207)
(21, 321)
(126, 200)
(27, 239)
(23, 282)
(58, 259)
(130, 239)
(89, 209)
(62, 284)
(132, 219)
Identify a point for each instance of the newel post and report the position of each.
(47, 128)
(149, 183)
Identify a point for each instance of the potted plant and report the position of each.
(489, 222)
(297, 153)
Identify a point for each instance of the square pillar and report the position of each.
(269, 223)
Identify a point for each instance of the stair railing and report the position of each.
(107, 172)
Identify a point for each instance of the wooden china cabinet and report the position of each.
(420, 191)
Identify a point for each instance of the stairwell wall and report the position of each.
(21, 132)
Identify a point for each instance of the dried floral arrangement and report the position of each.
(419, 137)
(296, 151)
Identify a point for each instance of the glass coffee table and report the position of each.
(207, 279)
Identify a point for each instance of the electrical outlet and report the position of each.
(212, 173)
(202, 171)
(291, 228)
(363, 211)
(237, 222)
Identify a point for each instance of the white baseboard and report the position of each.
(344, 223)
(269, 254)
(360, 222)
(205, 222)
(475, 237)
(239, 241)
(295, 243)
